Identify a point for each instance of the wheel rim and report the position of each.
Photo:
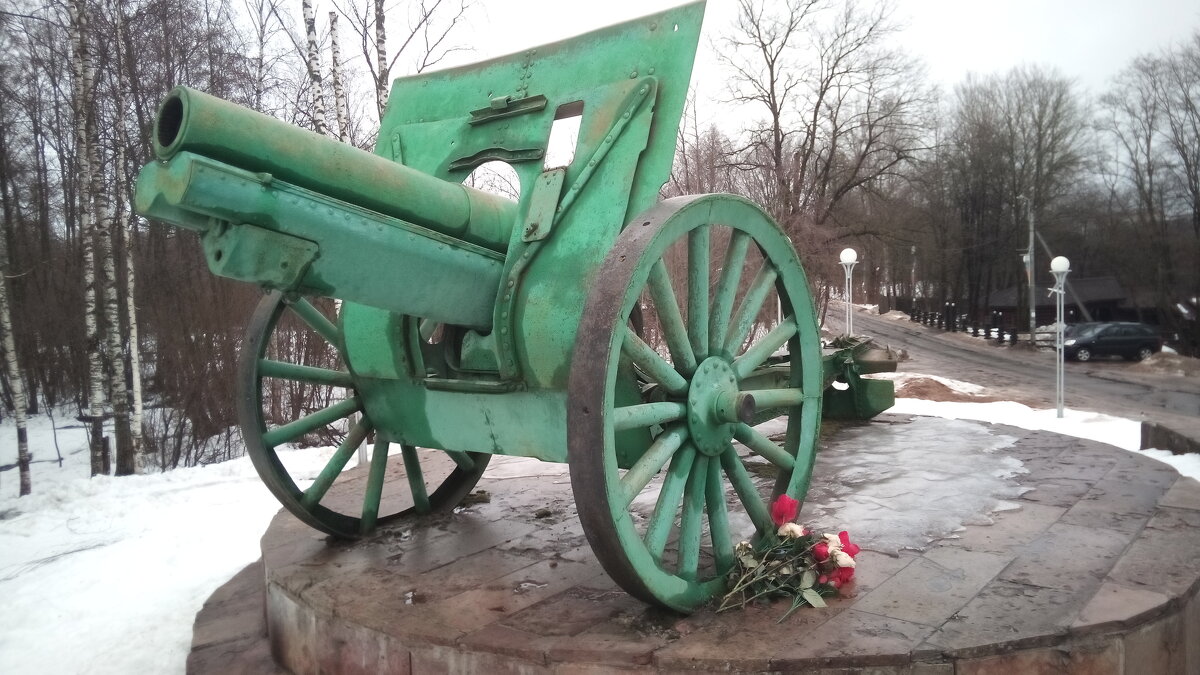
(688, 407)
(1083, 355)
(1144, 353)
(293, 383)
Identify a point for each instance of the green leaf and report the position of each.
(813, 597)
(808, 579)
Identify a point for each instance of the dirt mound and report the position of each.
(932, 390)
(1167, 363)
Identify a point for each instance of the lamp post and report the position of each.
(1059, 267)
(848, 259)
(1028, 258)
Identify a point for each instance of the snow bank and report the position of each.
(105, 575)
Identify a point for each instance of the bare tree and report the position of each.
(427, 40)
(1150, 116)
(316, 93)
(130, 456)
(842, 109)
(339, 89)
(704, 160)
(84, 78)
(15, 378)
(1015, 150)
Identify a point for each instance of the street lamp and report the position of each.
(1059, 267)
(848, 258)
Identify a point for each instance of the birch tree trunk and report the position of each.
(16, 385)
(84, 72)
(316, 96)
(339, 90)
(112, 323)
(381, 78)
(128, 428)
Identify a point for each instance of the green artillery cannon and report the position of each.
(586, 322)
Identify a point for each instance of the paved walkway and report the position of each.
(1097, 572)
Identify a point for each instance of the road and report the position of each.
(1019, 373)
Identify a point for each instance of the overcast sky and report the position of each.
(1090, 40)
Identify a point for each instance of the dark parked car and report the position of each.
(1134, 341)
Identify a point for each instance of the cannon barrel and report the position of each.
(288, 209)
(192, 121)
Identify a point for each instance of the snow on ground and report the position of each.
(105, 575)
(900, 379)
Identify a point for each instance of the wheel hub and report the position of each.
(715, 407)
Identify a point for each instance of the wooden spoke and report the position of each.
(647, 414)
(316, 320)
(648, 465)
(718, 518)
(314, 493)
(316, 420)
(743, 485)
(690, 526)
(652, 364)
(756, 295)
(727, 286)
(764, 447)
(698, 243)
(669, 497)
(758, 353)
(373, 495)
(671, 320)
(297, 372)
(416, 479)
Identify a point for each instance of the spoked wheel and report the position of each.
(295, 389)
(662, 492)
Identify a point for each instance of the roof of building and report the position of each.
(1085, 290)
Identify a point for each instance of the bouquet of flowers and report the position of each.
(791, 562)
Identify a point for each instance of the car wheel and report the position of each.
(1143, 354)
(1083, 354)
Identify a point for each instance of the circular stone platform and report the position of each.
(1097, 571)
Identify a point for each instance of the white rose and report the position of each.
(834, 541)
(842, 559)
(790, 530)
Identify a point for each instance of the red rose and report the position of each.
(784, 510)
(843, 575)
(835, 582)
(822, 579)
(821, 551)
(851, 549)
